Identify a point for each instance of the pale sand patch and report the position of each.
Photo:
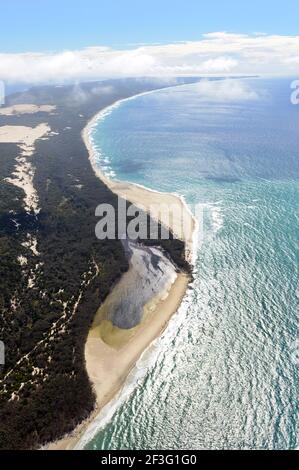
(22, 260)
(18, 109)
(23, 175)
(23, 134)
(31, 244)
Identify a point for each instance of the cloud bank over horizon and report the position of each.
(225, 91)
(218, 53)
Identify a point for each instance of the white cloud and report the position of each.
(292, 60)
(217, 53)
(225, 91)
(220, 64)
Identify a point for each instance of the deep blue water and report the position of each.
(224, 374)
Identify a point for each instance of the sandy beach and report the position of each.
(112, 352)
(108, 367)
(168, 208)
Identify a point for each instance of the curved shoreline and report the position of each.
(137, 194)
(99, 357)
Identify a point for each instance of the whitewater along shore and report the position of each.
(122, 331)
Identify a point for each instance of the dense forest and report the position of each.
(47, 305)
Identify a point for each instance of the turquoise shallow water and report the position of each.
(224, 374)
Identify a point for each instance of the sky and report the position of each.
(48, 25)
(51, 40)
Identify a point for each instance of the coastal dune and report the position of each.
(25, 108)
(23, 174)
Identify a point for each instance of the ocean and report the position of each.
(224, 374)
